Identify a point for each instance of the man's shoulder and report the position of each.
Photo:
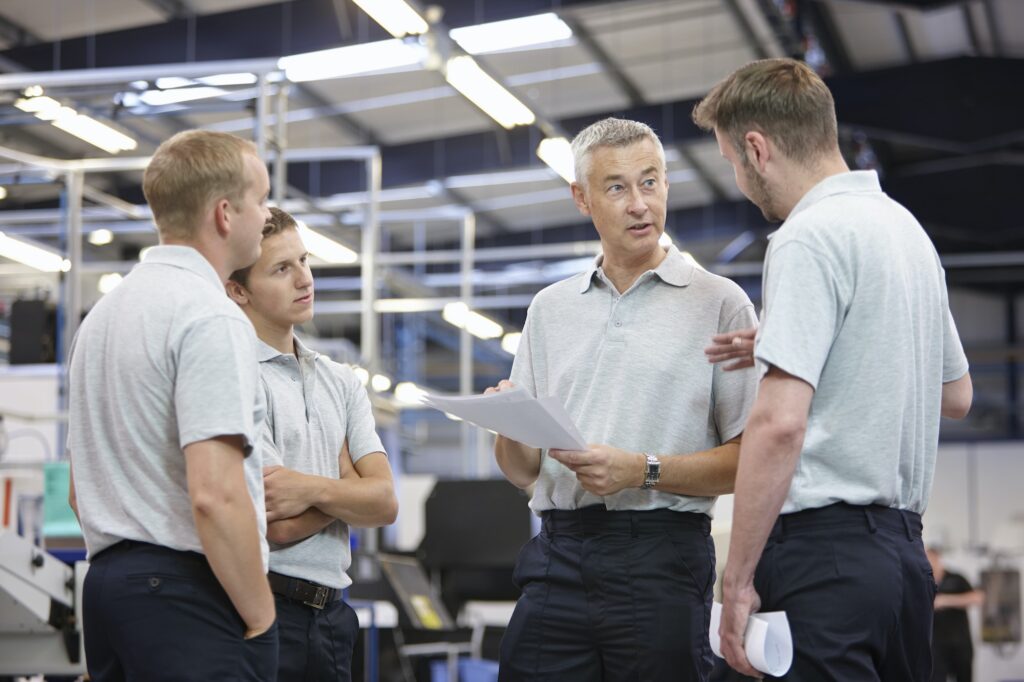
(718, 287)
(561, 291)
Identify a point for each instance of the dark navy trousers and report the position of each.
(858, 592)
(614, 596)
(153, 614)
(316, 644)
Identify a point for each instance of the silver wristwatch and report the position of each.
(652, 471)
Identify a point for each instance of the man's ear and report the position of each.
(222, 217)
(237, 292)
(757, 149)
(579, 197)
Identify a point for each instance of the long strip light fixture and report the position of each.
(352, 60)
(513, 34)
(70, 121)
(397, 17)
(466, 76)
(556, 152)
(325, 248)
(32, 255)
(480, 326)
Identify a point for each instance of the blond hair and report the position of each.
(278, 222)
(189, 172)
(609, 132)
(781, 98)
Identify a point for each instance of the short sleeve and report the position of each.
(216, 379)
(803, 311)
(361, 429)
(523, 374)
(734, 392)
(954, 361)
(268, 447)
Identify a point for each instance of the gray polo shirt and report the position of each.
(313, 406)
(855, 304)
(632, 373)
(162, 361)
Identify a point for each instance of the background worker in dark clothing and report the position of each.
(952, 648)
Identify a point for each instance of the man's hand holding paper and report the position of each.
(603, 469)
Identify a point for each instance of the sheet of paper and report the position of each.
(767, 640)
(517, 415)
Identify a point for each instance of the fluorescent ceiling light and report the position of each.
(362, 375)
(3, 193)
(32, 255)
(95, 133)
(409, 394)
(81, 126)
(351, 60)
(45, 108)
(159, 98)
(101, 237)
(324, 248)
(396, 16)
(171, 82)
(109, 282)
(496, 36)
(461, 316)
(556, 152)
(510, 342)
(380, 383)
(221, 79)
(466, 76)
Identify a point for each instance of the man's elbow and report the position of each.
(784, 430)
(957, 397)
(279, 533)
(388, 512)
(956, 410)
(209, 502)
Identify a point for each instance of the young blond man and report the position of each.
(165, 408)
(327, 469)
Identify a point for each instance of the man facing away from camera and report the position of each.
(165, 409)
(858, 358)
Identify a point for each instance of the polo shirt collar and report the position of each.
(265, 352)
(674, 269)
(842, 183)
(184, 257)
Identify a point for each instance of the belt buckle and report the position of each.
(319, 599)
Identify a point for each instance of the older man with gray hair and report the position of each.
(617, 586)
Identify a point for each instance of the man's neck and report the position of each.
(281, 339)
(623, 272)
(802, 180)
(213, 256)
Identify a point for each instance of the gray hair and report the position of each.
(609, 132)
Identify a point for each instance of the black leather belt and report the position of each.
(309, 593)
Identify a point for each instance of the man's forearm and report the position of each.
(225, 519)
(961, 600)
(767, 460)
(230, 539)
(360, 502)
(519, 463)
(701, 474)
(309, 522)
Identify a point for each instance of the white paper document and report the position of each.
(767, 640)
(515, 414)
